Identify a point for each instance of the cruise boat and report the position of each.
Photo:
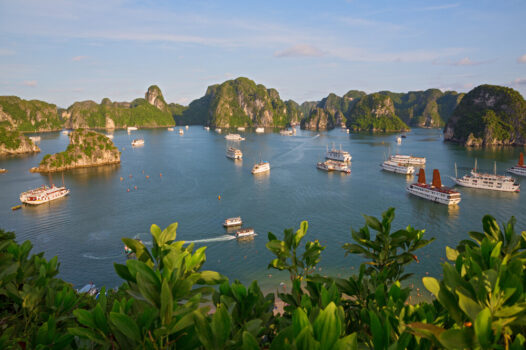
(245, 233)
(65, 132)
(520, 168)
(234, 137)
(234, 153)
(323, 166)
(402, 159)
(181, 132)
(287, 132)
(261, 167)
(230, 222)
(137, 142)
(207, 128)
(218, 130)
(339, 155)
(170, 129)
(338, 166)
(399, 168)
(110, 136)
(484, 181)
(35, 139)
(435, 191)
(241, 128)
(3, 171)
(399, 140)
(260, 130)
(43, 194)
(186, 127)
(131, 128)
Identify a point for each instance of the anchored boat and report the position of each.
(245, 233)
(234, 153)
(137, 142)
(260, 130)
(403, 159)
(520, 168)
(43, 194)
(261, 167)
(234, 137)
(399, 168)
(230, 222)
(339, 155)
(435, 191)
(485, 181)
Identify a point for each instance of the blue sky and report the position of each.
(66, 51)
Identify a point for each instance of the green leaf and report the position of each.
(100, 319)
(166, 303)
(210, 277)
(156, 233)
(373, 223)
(349, 342)
(126, 325)
(327, 327)
(87, 334)
(300, 233)
(483, 328)
(451, 254)
(249, 342)
(456, 339)
(377, 330)
(300, 321)
(220, 325)
(168, 234)
(431, 285)
(469, 306)
(85, 318)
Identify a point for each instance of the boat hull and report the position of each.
(461, 182)
(433, 196)
(409, 170)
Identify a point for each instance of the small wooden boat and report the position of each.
(16, 207)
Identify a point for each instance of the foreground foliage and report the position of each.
(168, 301)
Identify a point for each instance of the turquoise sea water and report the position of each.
(85, 228)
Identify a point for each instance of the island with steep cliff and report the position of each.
(86, 149)
(488, 115)
(13, 142)
(375, 113)
(240, 102)
(28, 115)
(148, 112)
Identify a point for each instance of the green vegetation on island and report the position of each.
(168, 301)
(375, 113)
(240, 102)
(151, 111)
(86, 149)
(488, 115)
(28, 116)
(14, 142)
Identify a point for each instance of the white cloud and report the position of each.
(366, 55)
(6, 52)
(522, 59)
(31, 83)
(299, 51)
(438, 7)
(518, 81)
(466, 61)
(78, 58)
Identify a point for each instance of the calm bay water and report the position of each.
(85, 228)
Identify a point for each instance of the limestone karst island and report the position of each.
(262, 175)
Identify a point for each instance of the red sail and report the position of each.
(422, 176)
(436, 179)
(521, 159)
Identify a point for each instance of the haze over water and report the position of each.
(85, 228)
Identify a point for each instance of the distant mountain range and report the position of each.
(486, 115)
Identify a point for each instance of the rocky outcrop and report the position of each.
(13, 143)
(28, 116)
(488, 115)
(154, 96)
(240, 102)
(319, 119)
(375, 113)
(86, 149)
(149, 112)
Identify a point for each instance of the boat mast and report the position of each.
(456, 173)
(495, 167)
(475, 165)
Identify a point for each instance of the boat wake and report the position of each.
(294, 150)
(93, 257)
(215, 239)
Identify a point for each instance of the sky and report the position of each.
(63, 51)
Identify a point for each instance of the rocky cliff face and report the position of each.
(13, 142)
(375, 113)
(240, 102)
(28, 116)
(86, 149)
(319, 119)
(488, 115)
(150, 112)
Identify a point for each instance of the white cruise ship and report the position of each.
(170, 129)
(240, 128)
(261, 167)
(260, 130)
(484, 181)
(181, 131)
(234, 137)
(234, 153)
(435, 191)
(333, 165)
(35, 139)
(230, 222)
(402, 159)
(245, 233)
(339, 155)
(399, 168)
(399, 140)
(286, 132)
(519, 169)
(207, 128)
(43, 194)
(138, 142)
(130, 128)
(218, 130)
